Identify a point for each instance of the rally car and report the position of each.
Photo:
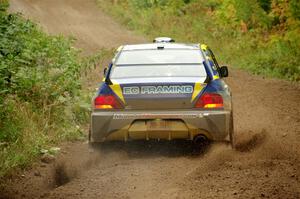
(163, 91)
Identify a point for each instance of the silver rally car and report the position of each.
(164, 91)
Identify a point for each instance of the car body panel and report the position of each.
(117, 125)
(162, 108)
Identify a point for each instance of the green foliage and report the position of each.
(10, 124)
(34, 66)
(41, 101)
(3, 6)
(278, 58)
(295, 8)
(232, 12)
(143, 4)
(212, 4)
(248, 34)
(265, 5)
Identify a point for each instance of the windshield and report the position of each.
(166, 56)
(158, 63)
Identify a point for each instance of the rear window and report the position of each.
(158, 63)
(159, 57)
(138, 71)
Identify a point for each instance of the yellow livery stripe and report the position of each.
(216, 77)
(197, 89)
(203, 46)
(117, 90)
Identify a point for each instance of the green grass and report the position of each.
(243, 34)
(42, 102)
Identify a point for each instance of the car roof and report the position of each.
(153, 46)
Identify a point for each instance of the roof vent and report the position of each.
(163, 40)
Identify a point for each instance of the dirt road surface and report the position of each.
(266, 163)
(80, 19)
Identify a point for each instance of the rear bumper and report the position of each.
(131, 125)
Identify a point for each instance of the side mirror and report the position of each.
(224, 71)
(105, 71)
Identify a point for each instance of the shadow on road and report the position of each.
(149, 149)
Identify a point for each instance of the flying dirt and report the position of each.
(265, 163)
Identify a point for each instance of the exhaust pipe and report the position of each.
(200, 144)
(200, 139)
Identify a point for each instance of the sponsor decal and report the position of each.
(179, 89)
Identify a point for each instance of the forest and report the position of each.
(41, 101)
(262, 36)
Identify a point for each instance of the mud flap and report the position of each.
(231, 131)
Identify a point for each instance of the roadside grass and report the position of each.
(40, 130)
(241, 33)
(33, 130)
(43, 100)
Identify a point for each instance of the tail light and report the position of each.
(107, 102)
(210, 100)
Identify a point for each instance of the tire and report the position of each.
(231, 131)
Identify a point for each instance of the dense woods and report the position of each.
(40, 90)
(262, 36)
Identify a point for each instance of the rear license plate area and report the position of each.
(157, 125)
